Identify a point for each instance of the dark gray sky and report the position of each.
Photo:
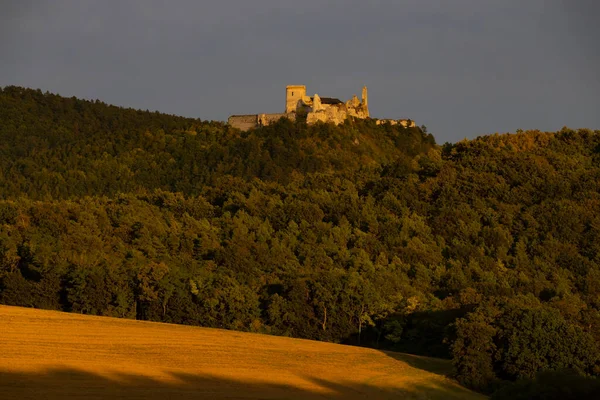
(463, 68)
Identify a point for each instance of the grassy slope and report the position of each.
(53, 355)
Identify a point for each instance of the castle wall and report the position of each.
(407, 123)
(337, 113)
(251, 121)
(328, 113)
(268, 119)
(243, 122)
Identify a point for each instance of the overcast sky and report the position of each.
(463, 68)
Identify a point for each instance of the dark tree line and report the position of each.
(485, 251)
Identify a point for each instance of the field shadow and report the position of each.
(67, 383)
(436, 366)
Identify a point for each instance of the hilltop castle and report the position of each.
(315, 108)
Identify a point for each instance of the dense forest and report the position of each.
(486, 252)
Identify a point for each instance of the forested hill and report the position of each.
(485, 251)
(53, 147)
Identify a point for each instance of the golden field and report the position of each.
(54, 355)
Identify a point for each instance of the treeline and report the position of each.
(486, 251)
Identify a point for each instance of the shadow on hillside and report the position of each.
(436, 366)
(77, 384)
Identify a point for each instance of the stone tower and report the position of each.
(365, 99)
(293, 93)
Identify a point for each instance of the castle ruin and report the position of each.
(314, 109)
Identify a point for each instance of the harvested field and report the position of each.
(53, 355)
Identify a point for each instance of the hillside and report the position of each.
(486, 252)
(59, 355)
(53, 147)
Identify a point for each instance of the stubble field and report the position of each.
(53, 355)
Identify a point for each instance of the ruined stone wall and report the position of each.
(251, 121)
(407, 123)
(243, 122)
(336, 113)
(268, 119)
